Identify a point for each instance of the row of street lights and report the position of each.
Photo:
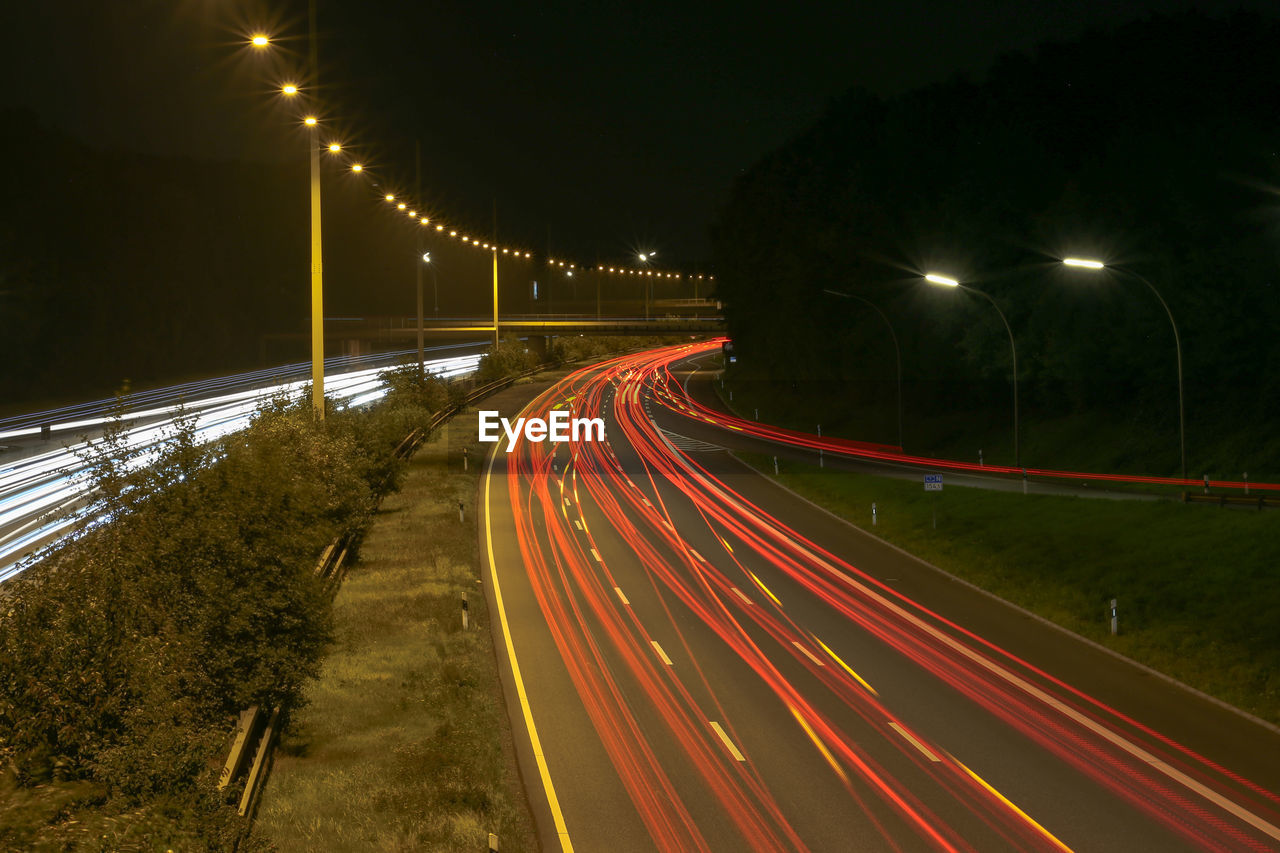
(1080, 263)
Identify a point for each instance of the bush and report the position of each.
(127, 651)
(509, 358)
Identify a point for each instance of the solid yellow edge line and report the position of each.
(1047, 834)
(556, 815)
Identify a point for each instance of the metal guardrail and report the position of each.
(256, 731)
(1261, 501)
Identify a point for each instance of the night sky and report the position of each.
(598, 129)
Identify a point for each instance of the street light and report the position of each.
(944, 281)
(1177, 343)
(645, 257)
(896, 349)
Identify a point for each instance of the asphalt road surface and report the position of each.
(698, 659)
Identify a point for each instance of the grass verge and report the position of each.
(404, 742)
(1197, 586)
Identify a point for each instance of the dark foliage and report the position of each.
(1151, 147)
(126, 652)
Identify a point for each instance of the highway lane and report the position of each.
(43, 493)
(704, 675)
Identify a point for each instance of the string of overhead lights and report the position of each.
(415, 211)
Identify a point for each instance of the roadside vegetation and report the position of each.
(1196, 585)
(403, 742)
(1071, 148)
(128, 650)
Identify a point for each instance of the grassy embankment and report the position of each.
(1197, 585)
(404, 741)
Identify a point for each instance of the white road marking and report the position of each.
(657, 648)
(724, 737)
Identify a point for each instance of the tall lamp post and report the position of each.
(645, 257)
(1083, 263)
(317, 266)
(897, 351)
(944, 281)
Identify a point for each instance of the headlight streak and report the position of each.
(577, 593)
(35, 491)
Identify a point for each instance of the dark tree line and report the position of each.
(1155, 147)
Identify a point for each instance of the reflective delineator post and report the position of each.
(1115, 620)
(775, 466)
(873, 514)
(465, 624)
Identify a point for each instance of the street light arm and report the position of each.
(1177, 343)
(1017, 453)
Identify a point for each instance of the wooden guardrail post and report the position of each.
(235, 758)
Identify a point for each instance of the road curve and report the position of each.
(711, 664)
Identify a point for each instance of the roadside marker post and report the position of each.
(459, 511)
(465, 620)
(1206, 484)
(465, 454)
(980, 462)
(1115, 620)
(873, 513)
(933, 483)
(775, 467)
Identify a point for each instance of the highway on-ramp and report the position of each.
(699, 660)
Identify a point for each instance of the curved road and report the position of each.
(703, 661)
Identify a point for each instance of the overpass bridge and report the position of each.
(571, 324)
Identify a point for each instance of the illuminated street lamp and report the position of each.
(1177, 343)
(645, 257)
(290, 90)
(944, 281)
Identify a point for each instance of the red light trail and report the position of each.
(638, 700)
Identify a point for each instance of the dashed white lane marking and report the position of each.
(740, 594)
(807, 653)
(657, 648)
(911, 740)
(622, 595)
(724, 737)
